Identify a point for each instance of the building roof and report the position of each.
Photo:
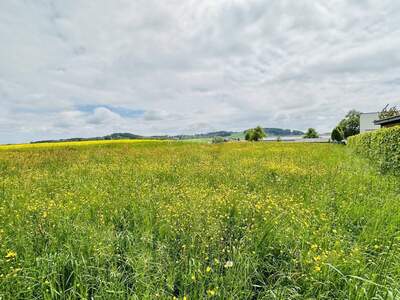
(391, 120)
(369, 113)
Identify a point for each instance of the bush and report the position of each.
(337, 134)
(381, 146)
(217, 140)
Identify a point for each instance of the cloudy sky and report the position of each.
(93, 67)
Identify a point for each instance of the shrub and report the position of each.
(217, 140)
(381, 146)
(337, 134)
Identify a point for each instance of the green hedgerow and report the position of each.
(381, 146)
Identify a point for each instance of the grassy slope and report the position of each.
(239, 135)
(199, 140)
(241, 220)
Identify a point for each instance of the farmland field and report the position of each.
(158, 220)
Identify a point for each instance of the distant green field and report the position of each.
(199, 140)
(158, 220)
(237, 135)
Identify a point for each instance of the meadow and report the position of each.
(176, 220)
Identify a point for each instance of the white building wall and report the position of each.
(367, 121)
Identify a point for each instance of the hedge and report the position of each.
(382, 147)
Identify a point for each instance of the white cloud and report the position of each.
(192, 66)
(102, 115)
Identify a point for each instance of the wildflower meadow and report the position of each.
(180, 220)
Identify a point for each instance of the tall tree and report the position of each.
(389, 112)
(350, 125)
(311, 133)
(337, 134)
(255, 134)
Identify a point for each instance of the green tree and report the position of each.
(389, 112)
(350, 125)
(337, 134)
(311, 133)
(255, 134)
(249, 134)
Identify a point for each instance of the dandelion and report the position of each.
(208, 270)
(211, 293)
(317, 258)
(317, 269)
(11, 255)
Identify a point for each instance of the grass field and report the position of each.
(158, 220)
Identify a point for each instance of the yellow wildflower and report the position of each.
(11, 255)
(211, 293)
(317, 258)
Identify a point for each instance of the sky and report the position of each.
(89, 68)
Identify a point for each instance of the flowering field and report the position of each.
(68, 144)
(164, 220)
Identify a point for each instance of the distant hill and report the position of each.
(203, 135)
(282, 132)
(270, 132)
(121, 136)
(241, 134)
(113, 136)
(222, 133)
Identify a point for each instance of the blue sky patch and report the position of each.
(122, 111)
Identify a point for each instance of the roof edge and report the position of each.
(369, 113)
(387, 120)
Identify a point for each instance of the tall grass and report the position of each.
(163, 220)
